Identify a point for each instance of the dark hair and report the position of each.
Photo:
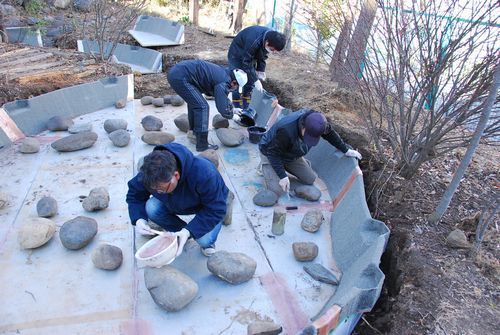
(276, 39)
(159, 166)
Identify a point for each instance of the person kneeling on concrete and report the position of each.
(283, 146)
(190, 79)
(171, 182)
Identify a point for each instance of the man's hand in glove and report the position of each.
(142, 227)
(353, 153)
(258, 86)
(285, 184)
(261, 75)
(182, 236)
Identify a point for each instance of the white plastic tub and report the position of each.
(158, 252)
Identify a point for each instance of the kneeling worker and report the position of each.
(171, 182)
(283, 146)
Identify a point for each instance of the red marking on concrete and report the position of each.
(48, 139)
(355, 173)
(135, 327)
(328, 321)
(303, 208)
(293, 319)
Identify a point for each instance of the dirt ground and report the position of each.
(430, 288)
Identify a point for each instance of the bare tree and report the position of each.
(481, 125)
(239, 9)
(337, 64)
(289, 25)
(426, 76)
(488, 216)
(108, 21)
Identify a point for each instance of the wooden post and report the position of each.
(194, 9)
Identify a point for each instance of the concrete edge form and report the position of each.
(31, 115)
(358, 240)
(139, 59)
(155, 31)
(26, 35)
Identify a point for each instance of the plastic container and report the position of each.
(255, 133)
(158, 252)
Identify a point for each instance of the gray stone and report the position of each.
(312, 220)
(110, 125)
(29, 145)
(305, 251)
(176, 101)
(265, 198)
(158, 102)
(170, 289)
(457, 239)
(219, 121)
(7, 10)
(75, 142)
(83, 5)
(120, 103)
(211, 155)
(167, 99)
(120, 138)
(98, 199)
(80, 128)
(57, 123)
(35, 233)
(233, 267)
(46, 207)
(157, 138)
(62, 4)
(107, 257)
(230, 137)
(78, 232)
(4, 200)
(182, 122)
(263, 328)
(320, 273)
(146, 100)
(151, 123)
(308, 192)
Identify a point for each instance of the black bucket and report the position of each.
(248, 117)
(255, 133)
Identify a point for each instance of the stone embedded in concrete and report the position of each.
(170, 289)
(176, 101)
(157, 138)
(29, 145)
(152, 123)
(110, 125)
(218, 121)
(120, 138)
(98, 199)
(158, 102)
(305, 251)
(80, 128)
(233, 267)
(121, 103)
(182, 122)
(230, 137)
(320, 273)
(35, 233)
(75, 142)
(57, 123)
(78, 232)
(107, 257)
(265, 198)
(308, 192)
(46, 207)
(211, 155)
(147, 100)
(264, 328)
(167, 99)
(457, 239)
(312, 220)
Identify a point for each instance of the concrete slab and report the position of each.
(25, 35)
(139, 59)
(152, 31)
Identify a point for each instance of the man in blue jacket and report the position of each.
(190, 79)
(283, 146)
(248, 51)
(172, 182)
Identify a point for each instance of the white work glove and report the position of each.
(261, 75)
(236, 118)
(237, 111)
(285, 184)
(142, 227)
(182, 236)
(258, 86)
(353, 153)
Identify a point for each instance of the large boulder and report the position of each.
(233, 267)
(120, 138)
(78, 232)
(75, 142)
(29, 145)
(312, 220)
(182, 122)
(110, 125)
(46, 207)
(98, 199)
(152, 123)
(57, 123)
(218, 121)
(107, 257)
(35, 233)
(305, 251)
(308, 192)
(230, 137)
(265, 198)
(157, 138)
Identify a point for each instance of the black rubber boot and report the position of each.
(202, 142)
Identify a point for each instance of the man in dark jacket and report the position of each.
(284, 145)
(190, 79)
(172, 181)
(248, 51)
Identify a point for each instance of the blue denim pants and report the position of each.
(160, 215)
